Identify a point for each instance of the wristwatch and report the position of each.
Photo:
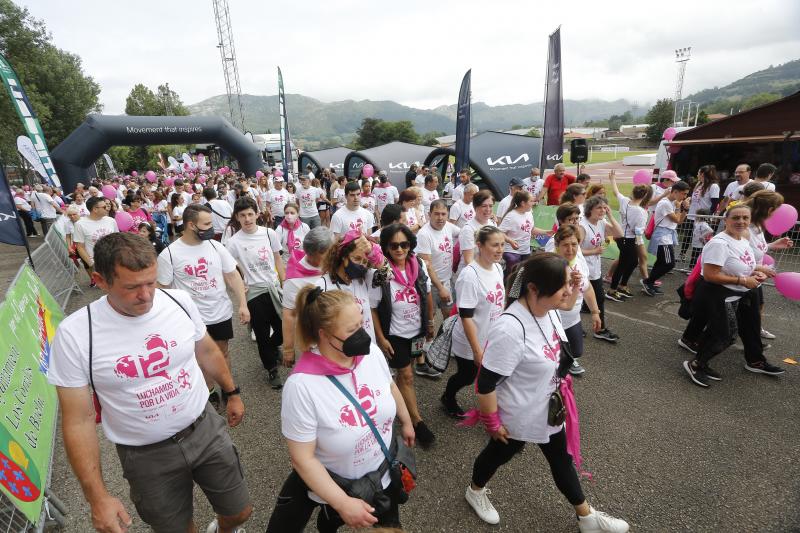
(234, 392)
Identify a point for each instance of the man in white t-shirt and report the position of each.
(353, 216)
(435, 245)
(669, 212)
(221, 212)
(24, 210)
(88, 230)
(764, 175)
(277, 198)
(430, 192)
(49, 210)
(514, 186)
(385, 193)
(419, 180)
(143, 352)
(733, 190)
(464, 179)
(307, 197)
(533, 183)
(204, 269)
(462, 210)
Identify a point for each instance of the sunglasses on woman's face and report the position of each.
(405, 245)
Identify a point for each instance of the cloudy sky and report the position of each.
(415, 52)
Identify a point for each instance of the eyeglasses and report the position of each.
(405, 245)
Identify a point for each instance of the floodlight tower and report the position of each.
(682, 56)
(229, 68)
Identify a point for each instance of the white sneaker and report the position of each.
(766, 334)
(598, 521)
(252, 335)
(479, 501)
(213, 527)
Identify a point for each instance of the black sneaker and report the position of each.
(606, 335)
(689, 346)
(648, 289)
(696, 374)
(625, 293)
(424, 436)
(613, 295)
(712, 374)
(657, 289)
(451, 406)
(275, 379)
(763, 367)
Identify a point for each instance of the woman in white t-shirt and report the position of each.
(403, 315)
(705, 195)
(352, 265)
(525, 362)
(597, 221)
(480, 297)
(291, 231)
(632, 251)
(178, 206)
(725, 301)
(670, 211)
(517, 224)
(568, 247)
(763, 204)
(330, 444)
(257, 250)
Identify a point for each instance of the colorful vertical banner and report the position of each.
(28, 117)
(28, 404)
(11, 231)
(286, 138)
(553, 137)
(463, 122)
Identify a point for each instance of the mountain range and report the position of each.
(314, 123)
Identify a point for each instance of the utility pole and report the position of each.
(682, 56)
(230, 69)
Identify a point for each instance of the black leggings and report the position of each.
(465, 375)
(263, 316)
(628, 261)
(293, 510)
(665, 261)
(575, 338)
(600, 296)
(496, 454)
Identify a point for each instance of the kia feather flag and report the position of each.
(463, 123)
(553, 138)
(286, 138)
(28, 117)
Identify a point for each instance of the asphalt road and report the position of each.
(665, 454)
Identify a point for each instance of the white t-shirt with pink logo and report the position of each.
(466, 241)
(385, 196)
(461, 213)
(277, 201)
(344, 220)
(518, 226)
(595, 236)
(428, 197)
(299, 234)
(439, 245)
(307, 198)
(758, 243)
(573, 316)
(367, 202)
(199, 270)
(735, 256)
(406, 315)
(314, 409)
(530, 368)
(144, 368)
(88, 232)
(482, 290)
(254, 252)
(363, 292)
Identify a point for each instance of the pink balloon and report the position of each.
(124, 220)
(169, 182)
(135, 174)
(201, 178)
(109, 192)
(642, 177)
(279, 173)
(259, 174)
(768, 260)
(788, 284)
(782, 219)
(368, 170)
(150, 176)
(670, 134)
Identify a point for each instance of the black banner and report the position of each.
(11, 231)
(553, 138)
(463, 123)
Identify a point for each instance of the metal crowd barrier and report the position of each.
(787, 260)
(54, 267)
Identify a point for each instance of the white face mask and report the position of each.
(290, 218)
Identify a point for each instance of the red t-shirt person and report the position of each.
(555, 185)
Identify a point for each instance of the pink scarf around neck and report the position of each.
(291, 241)
(319, 365)
(409, 277)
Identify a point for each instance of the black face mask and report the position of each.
(355, 271)
(356, 344)
(205, 234)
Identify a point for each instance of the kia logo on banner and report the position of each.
(506, 160)
(555, 157)
(402, 165)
